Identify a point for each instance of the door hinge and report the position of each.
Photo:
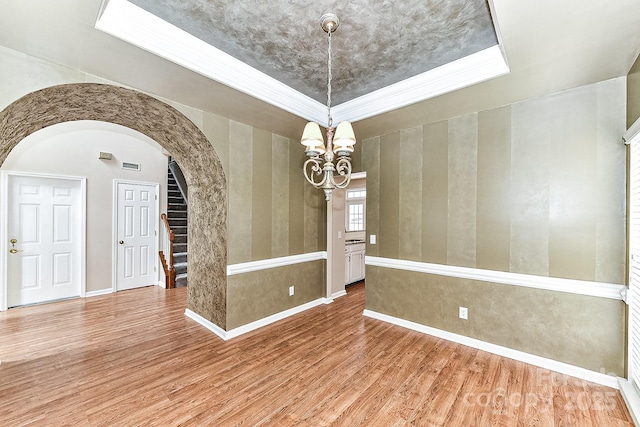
(156, 197)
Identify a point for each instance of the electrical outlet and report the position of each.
(463, 313)
(291, 290)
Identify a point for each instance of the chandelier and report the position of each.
(320, 169)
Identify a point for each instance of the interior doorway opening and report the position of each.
(174, 132)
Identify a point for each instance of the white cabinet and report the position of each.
(354, 263)
(347, 267)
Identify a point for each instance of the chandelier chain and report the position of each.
(328, 167)
(329, 77)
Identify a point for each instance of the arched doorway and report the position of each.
(171, 129)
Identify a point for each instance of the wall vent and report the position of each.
(131, 166)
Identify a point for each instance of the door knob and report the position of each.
(121, 242)
(13, 249)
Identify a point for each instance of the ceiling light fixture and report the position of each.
(320, 169)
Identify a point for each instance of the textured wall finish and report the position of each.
(579, 330)
(535, 187)
(371, 164)
(377, 43)
(280, 196)
(272, 210)
(493, 249)
(410, 201)
(201, 166)
(256, 295)
(462, 190)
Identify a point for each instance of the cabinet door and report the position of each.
(347, 268)
(357, 266)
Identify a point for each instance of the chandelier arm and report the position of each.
(343, 169)
(311, 169)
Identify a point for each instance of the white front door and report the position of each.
(45, 233)
(135, 226)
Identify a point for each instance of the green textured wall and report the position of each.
(537, 188)
(273, 211)
(256, 295)
(633, 93)
(580, 330)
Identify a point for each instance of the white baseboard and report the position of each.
(206, 323)
(631, 399)
(271, 319)
(543, 362)
(98, 293)
(227, 335)
(339, 294)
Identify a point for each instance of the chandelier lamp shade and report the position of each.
(328, 166)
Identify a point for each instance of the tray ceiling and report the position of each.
(385, 54)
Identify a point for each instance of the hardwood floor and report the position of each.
(133, 358)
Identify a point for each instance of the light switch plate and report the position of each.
(372, 239)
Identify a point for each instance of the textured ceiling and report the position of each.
(377, 43)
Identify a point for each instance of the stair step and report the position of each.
(181, 281)
(176, 214)
(177, 222)
(180, 267)
(177, 217)
(180, 257)
(177, 207)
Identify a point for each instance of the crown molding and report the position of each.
(138, 27)
(478, 67)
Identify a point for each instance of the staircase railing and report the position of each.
(166, 254)
(180, 181)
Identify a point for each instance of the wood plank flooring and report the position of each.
(133, 358)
